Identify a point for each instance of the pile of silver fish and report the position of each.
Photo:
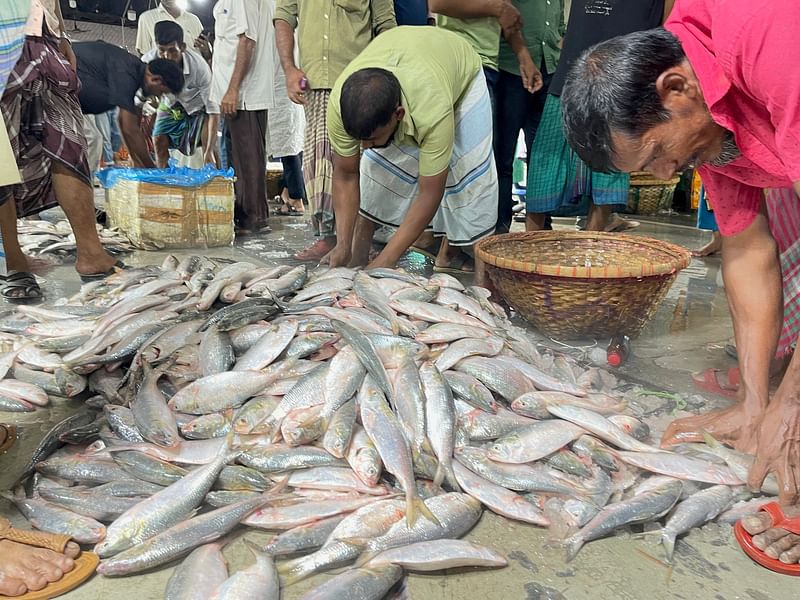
(46, 238)
(366, 417)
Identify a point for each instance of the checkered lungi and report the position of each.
(560, 183)
(44, 122)
(318, 164)
(183, 130)
(783, 207)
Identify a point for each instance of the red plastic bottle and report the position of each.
(618, 350)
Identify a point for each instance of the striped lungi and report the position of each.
(560, 183)
(318, 164)
(468, 211)
(44, 123)
(783, 207)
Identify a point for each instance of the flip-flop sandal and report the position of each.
(290, 211)
(118, 266)
(730, 350)
(618, 225)
(431, 251)
(85, 563)
(456, 266)
(778, 520)
(24, 281)
(709, 382)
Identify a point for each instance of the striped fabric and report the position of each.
(468, 211)
(783, 206)
(13, 16)
(561, 184)
(318, 164)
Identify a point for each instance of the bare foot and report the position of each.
(774, 541)
(737, 426)
(93, 265)
(25, 568)
(711, 248)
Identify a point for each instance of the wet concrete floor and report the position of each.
(688, 333)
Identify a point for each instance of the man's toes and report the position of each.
(10, 586)
(785, 543)
(769, 537)
(51, 564)
(72, 550)
(757, 523)
(34, 580)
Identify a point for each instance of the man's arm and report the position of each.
(383, 17)
(244, 56)
(210, 143)
(346, 200)
(284, 39)
(752, 277)
(64, 45)
(502, 10)
(531, 76)
(422, 210)
(133, 136)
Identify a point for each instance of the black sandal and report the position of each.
(16, 281)
(118, 266)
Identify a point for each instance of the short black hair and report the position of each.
(170, 73)
(369, 98)
(611, 88)
(167, 32)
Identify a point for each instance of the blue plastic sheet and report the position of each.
(172, 175)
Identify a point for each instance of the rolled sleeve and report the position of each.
(436, 148)
(383, 17)
(286, 10)
(763, 59)
(735, 204)
(341, 142)
(244, 15)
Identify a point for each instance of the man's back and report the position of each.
(110, 77)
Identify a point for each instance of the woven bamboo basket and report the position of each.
(648, 195)
(573, 285)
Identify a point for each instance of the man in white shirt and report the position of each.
(167, 10)
(242, 84)
(188, 120)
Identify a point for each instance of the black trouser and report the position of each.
(516, 109)
(248, 153)
(292, 177)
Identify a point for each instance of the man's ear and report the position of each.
(676, 84)
(400, 112)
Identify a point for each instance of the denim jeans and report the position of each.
(292, 178)
(516, 109)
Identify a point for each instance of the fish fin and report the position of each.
(364, 559)
(395, 326)
(357, 542)
(419, 505)
(668, 542)
(710, 440)
(439, 475)
(450, 479)
(292, 571)
(572, 546)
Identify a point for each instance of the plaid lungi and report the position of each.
(783, 207)
(468, 211)
(44, 122)
(318, 164)
(560, 183)
(183, 130)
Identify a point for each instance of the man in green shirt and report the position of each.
(416, 102)
(543, 27)
(330, 33)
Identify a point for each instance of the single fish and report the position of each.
(393, 349)
(303, 538)
(409, 404)
(601, 427)
(456, 351)
(643, 507)
(497, 498)
(89, 503)
(154, 420)
(740, 464)
(436, 555)
(497, 376)
(340, 429)
(46, 516)
(338, 479)
(433, 313)
(204, 569)
(293, 515)
(366, 353)
(631, 425)
(363, 583)
(744, 508)
(481, 426)
(127, 488)
(207, 426)
(148, 468)
(216, 352)
(218, 392)
(385, 431)
(267, 348)
(237, 477)
(534, 442)
(254, 412)
(534, 404)
(440, 421)
(596, 451)
(81, 469)
(470, 390)
(345, 375)
(681, 467)
(363, 457)
(259, 580)
(122, 422)
(277, 458)
(697, 510)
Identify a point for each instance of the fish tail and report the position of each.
(438, 478)
(395, 326)
(668, 541)
(293, 571)
(450, 478)
(572, 546)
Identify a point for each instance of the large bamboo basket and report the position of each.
(648, 195)
(582, 284)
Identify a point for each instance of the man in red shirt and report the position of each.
(717, 89)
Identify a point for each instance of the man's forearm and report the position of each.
(465, 9)
(416, 220)
(211, 132)
(137, 148)
(346, 200)
(244, 56)
(284, 40)
(752, 275)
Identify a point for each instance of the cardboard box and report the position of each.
(158, 216)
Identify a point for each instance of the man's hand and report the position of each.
(736, 426)
(203, 47)
(338, 257)
(779, 447)
(294, 86)
(531, 76)
(66, 49)
(230, 102)
(509, 18)
(210, 157)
